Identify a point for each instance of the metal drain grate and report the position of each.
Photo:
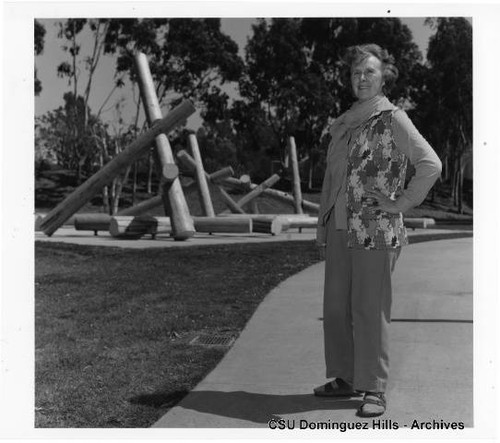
(212, 340)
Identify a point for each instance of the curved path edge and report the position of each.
(271, 369)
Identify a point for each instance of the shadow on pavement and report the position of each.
(260, 408)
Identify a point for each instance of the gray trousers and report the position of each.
(357, 311)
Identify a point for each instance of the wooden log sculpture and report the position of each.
(92, 222)
(297, 192)
(288, 221)
(246, 182)
(221, 174)
(190, 164)
(272, 193)
(223, 224)
(38, 222)
(173, 197)
(81, 195)
(295, 221)
(422, 223)
(156, 201)
(266, 225)
(201, 178)
(275, 194)
(257, 190)
(143, 206)
(134, 227)
(254, 207)
(284, 197)
(215, 178)
(232, 205)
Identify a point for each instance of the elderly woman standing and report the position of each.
(361, 226)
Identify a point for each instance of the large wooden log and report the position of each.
(92, 222)
(81, 195)
(221, 174)
(170, 171)
(173, 197)
(201, 178)
(231, 204)
(275, 194)
(264, 221)
(187, 161)
(259, 189)
(288, 220)
(256, 190)
(294, 221)
(264, 225)
(38, 222)
(236, 183)
(134, 227)
(297, 192)
(291, 217)
(223, 224)
(422, 223)
(215, 177)
(143, 206)
(287, 198)
(246, 181)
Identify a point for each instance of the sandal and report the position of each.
(374, 404)
(335, 388)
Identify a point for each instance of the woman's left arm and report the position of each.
(421, 155)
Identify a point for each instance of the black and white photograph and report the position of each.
(249, 221)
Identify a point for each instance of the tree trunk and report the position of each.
(297, 192)
(150, 173)
(453, 183)
(134, 185)
(460, 185)
(105, 193)
(119, 189)
(445, 168)
(311, 168)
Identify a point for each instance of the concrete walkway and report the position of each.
(68, 234)
(271, 369)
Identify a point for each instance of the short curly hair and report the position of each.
(357, 53)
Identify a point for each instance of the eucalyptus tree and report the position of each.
(296, 82)
(188, 57)
(447, 104)
(39, 43)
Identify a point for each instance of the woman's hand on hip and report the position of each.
(382, 202)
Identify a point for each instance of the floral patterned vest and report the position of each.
(374, 162)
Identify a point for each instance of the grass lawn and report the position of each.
(113, 327)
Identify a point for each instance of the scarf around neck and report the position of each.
(358, 114)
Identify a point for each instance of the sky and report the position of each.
(239, 29)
